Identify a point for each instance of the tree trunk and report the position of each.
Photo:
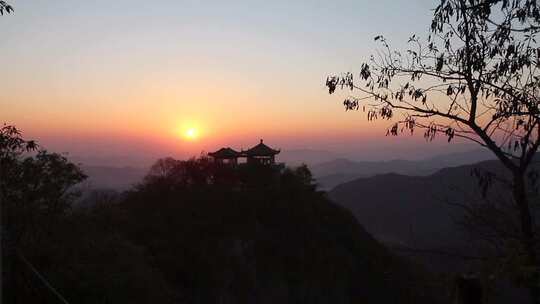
(527, 233)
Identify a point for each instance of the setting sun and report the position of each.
(191, 134)
(190, 129)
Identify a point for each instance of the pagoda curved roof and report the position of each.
(225, 153)
(260, 150)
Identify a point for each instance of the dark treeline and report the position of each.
(192, 232)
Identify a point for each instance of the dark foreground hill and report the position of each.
(268, 238)
(198, 232)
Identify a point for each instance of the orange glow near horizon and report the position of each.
(221, 75)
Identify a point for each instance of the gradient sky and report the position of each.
(128, 77)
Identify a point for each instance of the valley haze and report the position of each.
(329, 169)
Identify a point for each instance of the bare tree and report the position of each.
(476, 76)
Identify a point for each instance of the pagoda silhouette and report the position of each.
(260, 154)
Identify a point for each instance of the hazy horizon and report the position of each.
(131, 78)
(293, 155)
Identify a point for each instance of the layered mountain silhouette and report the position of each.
(328, 168)
(417, 211)
(417, 216)
(332, 173)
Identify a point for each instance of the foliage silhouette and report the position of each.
(5, 7)
(476, 77)
(265, 235)
(35, 193)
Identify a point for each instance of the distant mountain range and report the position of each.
(414, 215)
(327, 167)
(335, 172)
(111, 173)
(415, 210)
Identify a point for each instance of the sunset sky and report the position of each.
(132, 77)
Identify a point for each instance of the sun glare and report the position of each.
(190, 130)
(191, 134)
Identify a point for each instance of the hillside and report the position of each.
(276, 241)
(414, 216)
(413, 210)
(201, 232)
